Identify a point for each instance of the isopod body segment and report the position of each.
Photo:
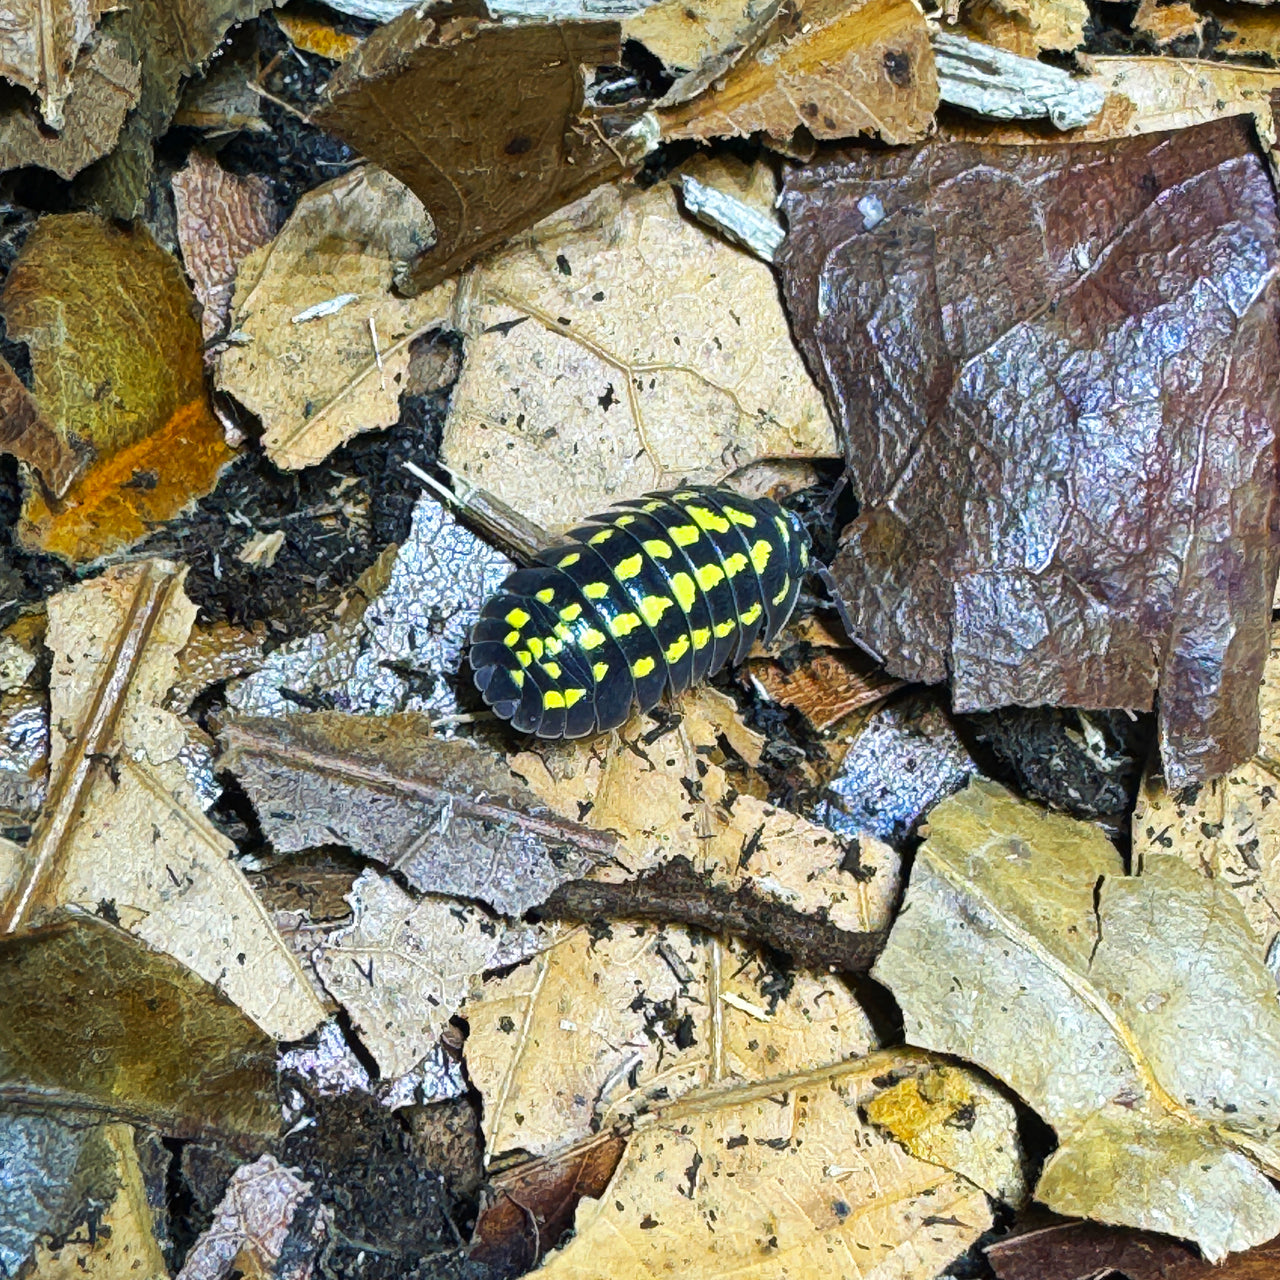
(646, 599)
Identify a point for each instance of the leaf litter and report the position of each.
(575, 1007)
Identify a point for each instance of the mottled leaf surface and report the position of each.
(1053, 372)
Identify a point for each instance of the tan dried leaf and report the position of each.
(40, 43)
(1132, 1012)
(123, 1244)
(1245, 28)
(213, 652)
(1027, 27)
(317, 376)
(123, 824)
(786, 1179)
(486, 162)
(307, 28)
(222, 218)
(116, 357)
(623, 349)
(402, 968)
(594, 1029)
(825, 688)
(104, 86)
(703, 37)
(27, 434)
(1228, 830)
(1165, 23)
(837, 71)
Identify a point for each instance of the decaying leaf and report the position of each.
(122, 823)
(448, 815)
(1068, 503)
(487, 163)
(403, 968)
(217, 651)
(40, 43)
(104, 87)
(223, 98)
(785, 1178)
(121, 1240)
(700, 41)
(26, 433)
(97, 1023)
(308, 29)
(328, 341)
(1028, 27)
(116, 356)
(397, 653)
(596, 1028)
(1132, 1012)
(1244, 28)
(826, 687)
(1228, 829)
(266, 1207)
(626, 349)
(838, 71)
(1166, 23)
(222, 218)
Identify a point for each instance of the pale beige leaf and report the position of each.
(786, 1179)
(1228, 829)
(403, 968)
(625, 348)
(123, 1244)
(123, 824)
(40, 41)
(595, 1029)
(1132, 1012)
(1027, 27)
(316, 382)
(843, 70)
(687, 35)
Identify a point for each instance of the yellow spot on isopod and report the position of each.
(722, 629)
(677, 648)
(517, 678)
(562, 632)
(524, 657)
(657, 548)
(573, 695)
(683, 586)
(734, 564)
(708, 575)
(684, 495)
(596, 590)
(642, 667)
(570, 612)
(624, 624)
(701, 636)
(804, 556)
(511, 639)
(750, 615)
(740, 517)
(535, 646)
(553, 645)
(629, 567)
(572, 558)
(517, 618)
(597, 538)
(760, 553)
(623, 521)
(546, 595)
(553, 698)
(600, 670)
(653, 607)
(684, 535)
(653, 506)
(552, 669)
(786, 586)
(783, 528)
(591, 638)
(705, 518)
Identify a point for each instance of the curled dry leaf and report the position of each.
(122, 823)
(1027, 27)
(448, 815)
(623, 349)
(394, 655)
(403, 967)
(485, 161)
(316, 381)
(104, 308)
(98, 1023)
(785, 1178)
(1132, 1012)
(222, 218)
(826, 687)
(307, 28)
(104, 88)
(835, 70)
(1228, 829)
(1029, 525)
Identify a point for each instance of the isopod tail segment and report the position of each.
(635, 604)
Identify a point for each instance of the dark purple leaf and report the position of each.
(1055, 373)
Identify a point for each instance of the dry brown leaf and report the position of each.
(122, 1244)
(122, 823)
(104, 87)
(214, 652)
(703, 38)
(826, 687)
(116, 356)
(1165, 23)
(1027, 27)
(623, 349)
(1228, 829)
(224, 98)
(596, 1028)
(446, 814)
(786, 1179)
(27, 434)
(40, 43)
(840, 71)
(328, 341)
(222, 218)
(402, 968)
(308, 29)
(1245, 28)
(487, 163)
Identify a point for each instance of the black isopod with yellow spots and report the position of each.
(644, 600)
